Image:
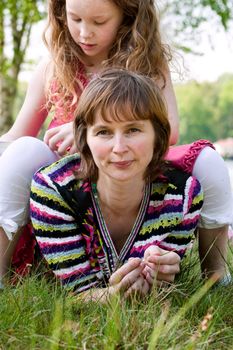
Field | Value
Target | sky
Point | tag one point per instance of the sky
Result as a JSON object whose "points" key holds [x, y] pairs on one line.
{"points": [[216, 59]]}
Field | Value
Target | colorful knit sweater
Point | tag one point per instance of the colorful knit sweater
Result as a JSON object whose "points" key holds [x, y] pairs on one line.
{"points": [[73, 237]]}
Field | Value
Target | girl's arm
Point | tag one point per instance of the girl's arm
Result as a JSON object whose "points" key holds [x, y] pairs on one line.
{"points": [[33, 111], [61, 139], [170, 98]]}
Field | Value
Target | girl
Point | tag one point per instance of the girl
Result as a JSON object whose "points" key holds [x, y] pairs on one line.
{"points": [[84, 37]]}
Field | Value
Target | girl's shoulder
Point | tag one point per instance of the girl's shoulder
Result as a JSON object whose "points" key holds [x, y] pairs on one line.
{"points": [[42, 74]]}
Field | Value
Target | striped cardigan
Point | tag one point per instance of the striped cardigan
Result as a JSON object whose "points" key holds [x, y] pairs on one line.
{"points": [[70, 230]]}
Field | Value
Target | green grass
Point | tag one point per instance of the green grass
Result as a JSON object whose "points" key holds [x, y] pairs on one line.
{"points": [[38, 314]]}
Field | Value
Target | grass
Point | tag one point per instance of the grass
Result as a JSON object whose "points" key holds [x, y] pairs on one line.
{"points": [[38, 314]]}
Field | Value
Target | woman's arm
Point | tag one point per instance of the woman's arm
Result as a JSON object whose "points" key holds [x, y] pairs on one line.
{"points": [[164, 264], [33, 111], [56, 229], [213, 251]]}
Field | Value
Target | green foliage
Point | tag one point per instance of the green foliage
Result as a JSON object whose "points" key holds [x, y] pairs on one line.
{"points": [[21, 92], [223, 8], [185, 20], [206, 110], [16, 20], [37, 314], [18, 16], [193, 13], [224, 113]]}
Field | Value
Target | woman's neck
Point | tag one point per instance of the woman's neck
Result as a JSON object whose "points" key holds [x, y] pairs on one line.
{"points": [[120, 197]]}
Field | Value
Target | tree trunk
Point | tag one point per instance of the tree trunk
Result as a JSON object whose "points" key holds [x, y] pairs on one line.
{"points": [[16, 20], [8, 92]]}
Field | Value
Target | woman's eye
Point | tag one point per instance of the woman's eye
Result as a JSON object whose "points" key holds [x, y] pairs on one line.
{"points": [[102, 133], [133, 130]]}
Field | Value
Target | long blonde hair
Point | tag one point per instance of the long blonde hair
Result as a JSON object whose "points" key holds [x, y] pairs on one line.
{"points": [[138, 46]]}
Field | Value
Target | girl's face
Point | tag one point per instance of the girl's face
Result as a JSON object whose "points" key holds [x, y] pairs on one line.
{"points": [[93, 25], [122, 150]]}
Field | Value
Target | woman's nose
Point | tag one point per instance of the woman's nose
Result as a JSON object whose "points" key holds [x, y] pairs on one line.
{"points": [[119, 144]]}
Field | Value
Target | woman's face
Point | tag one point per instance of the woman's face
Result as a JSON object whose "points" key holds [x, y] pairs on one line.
{"points": [[93, 25], [121, 150]]}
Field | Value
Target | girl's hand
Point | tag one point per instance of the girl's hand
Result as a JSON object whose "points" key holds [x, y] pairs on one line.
{"points": [[61, 139], [161, 265], [129, 280]]}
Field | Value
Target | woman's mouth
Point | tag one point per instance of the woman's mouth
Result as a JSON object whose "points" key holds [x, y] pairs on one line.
{"points": [[123, 164]]}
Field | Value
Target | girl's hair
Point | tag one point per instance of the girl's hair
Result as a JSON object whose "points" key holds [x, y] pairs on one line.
{"points": [[138, 46], [124, 95]]}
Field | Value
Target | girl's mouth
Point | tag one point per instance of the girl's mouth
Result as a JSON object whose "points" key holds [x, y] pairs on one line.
{"points": [[87, 46]]}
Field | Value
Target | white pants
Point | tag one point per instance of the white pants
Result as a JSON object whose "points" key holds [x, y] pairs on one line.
{"points": [[211, 171], [26, 155], [18, 163]]}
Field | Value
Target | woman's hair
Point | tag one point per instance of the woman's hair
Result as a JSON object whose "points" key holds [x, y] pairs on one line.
{"points": [[124, 95], [138, 46]]}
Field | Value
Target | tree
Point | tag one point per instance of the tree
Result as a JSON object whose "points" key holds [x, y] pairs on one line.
{"points": [[224, 110], [16, 20], [185, 19], [206, 109], [196, 106]]}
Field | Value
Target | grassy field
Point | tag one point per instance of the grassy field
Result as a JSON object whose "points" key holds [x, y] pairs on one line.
{"points": [[37, 314]]}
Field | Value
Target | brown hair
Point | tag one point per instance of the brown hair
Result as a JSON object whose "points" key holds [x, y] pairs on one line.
{"points": [[125, 95], [138, 46]]}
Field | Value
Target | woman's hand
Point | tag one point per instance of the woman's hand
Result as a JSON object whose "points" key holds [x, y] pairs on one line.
{"points": [[137, 276], [129, 280], [161, 265], [61, 139]]}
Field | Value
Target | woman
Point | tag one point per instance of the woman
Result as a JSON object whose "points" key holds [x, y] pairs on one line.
{"points": [[83, 38], [117, 217]]}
